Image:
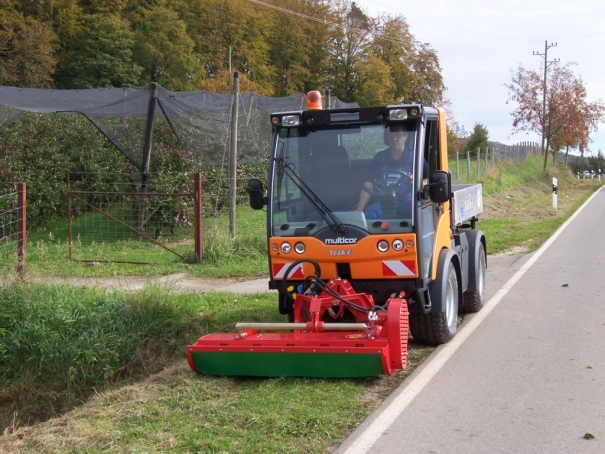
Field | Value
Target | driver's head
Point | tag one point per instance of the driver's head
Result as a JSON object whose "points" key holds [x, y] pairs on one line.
{"points": [[395, 135]]}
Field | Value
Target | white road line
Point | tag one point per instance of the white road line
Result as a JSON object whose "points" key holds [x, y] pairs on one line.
{"points": [[383, 421]]}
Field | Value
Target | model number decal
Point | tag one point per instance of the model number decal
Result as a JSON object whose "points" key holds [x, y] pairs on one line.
{"points": [[342, 252]]}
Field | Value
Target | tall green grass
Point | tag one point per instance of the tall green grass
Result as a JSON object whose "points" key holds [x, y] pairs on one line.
{"points": [[503, 175], [77, 338], [58, 342]]}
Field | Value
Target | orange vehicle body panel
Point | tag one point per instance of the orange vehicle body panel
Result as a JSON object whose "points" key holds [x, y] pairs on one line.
{"points": [[365, 261], [443, 231]]}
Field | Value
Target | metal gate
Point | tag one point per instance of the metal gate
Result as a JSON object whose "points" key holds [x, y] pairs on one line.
{"points": [[137, 223]]}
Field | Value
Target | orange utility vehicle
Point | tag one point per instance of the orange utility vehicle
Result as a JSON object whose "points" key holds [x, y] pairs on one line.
{"points": [[350, 281]]}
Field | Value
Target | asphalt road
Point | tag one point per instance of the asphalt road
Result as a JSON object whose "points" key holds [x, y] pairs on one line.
{"points": [[524, 375]]}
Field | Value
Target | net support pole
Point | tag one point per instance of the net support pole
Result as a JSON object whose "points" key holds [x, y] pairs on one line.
{"points": [[69, 215], [197, 201], [147, 153], [233, 157], [22, 229]]}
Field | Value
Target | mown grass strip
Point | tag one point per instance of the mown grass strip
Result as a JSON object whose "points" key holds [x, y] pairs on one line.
{"points": [[506, 234]]}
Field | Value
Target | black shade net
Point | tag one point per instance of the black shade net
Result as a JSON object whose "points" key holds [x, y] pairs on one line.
{"points": [[200, 120]]}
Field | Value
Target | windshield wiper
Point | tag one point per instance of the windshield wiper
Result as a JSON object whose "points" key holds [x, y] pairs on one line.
{"points": [[335, 224]]}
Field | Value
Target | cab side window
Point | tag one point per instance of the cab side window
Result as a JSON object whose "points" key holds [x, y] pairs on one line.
{"points": [[431, 146]]}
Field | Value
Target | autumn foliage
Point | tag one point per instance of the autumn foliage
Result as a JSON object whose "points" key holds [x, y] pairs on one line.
{"points": [[278, 47], [565, 119]]}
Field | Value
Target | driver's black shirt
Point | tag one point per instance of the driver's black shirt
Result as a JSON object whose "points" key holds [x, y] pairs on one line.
{"points": [[384, 160]]}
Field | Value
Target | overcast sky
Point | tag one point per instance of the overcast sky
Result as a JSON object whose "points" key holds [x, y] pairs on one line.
{"points": [[479, 42]]}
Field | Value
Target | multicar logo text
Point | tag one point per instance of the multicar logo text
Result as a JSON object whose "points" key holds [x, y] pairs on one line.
{"points": [[341, 240]]}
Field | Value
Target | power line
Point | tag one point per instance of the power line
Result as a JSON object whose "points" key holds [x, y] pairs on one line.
{"points": [[383, 37], [324, 21]]}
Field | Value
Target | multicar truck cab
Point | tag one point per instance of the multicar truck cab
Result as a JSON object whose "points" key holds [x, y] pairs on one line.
{"points": [[349, 278]]}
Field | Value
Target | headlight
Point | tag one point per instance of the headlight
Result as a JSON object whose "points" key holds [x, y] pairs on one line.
{"points": [[397, 245], [398, 114], [299, 248], [290, 120], [383, 246], [286, 248]]}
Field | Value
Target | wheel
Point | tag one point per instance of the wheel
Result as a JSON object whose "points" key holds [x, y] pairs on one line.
{"points": [[437, 328], [382, 189], [474, 299]]}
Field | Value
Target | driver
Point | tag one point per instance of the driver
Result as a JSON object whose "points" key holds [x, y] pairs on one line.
{"points": [[398, 156]]}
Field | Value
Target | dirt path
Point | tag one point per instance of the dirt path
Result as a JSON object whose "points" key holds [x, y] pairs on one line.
{"points": [[176, 282]]}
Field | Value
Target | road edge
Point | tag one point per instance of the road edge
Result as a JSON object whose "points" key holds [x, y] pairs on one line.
{"points": [[366, 435]]}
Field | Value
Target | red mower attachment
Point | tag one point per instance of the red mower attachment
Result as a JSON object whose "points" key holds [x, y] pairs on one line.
{"points": [[338, 333]]}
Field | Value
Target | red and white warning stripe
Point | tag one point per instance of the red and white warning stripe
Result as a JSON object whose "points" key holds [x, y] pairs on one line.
{"points": [[398, 268], [279, 269]]}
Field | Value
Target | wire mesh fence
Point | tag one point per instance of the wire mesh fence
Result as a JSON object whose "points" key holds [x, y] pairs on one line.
{"points": [[12, 229], [129, 220], [470, 166], [172, 217]]}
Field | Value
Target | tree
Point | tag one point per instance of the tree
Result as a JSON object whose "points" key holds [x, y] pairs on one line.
{"points": [[478, 139], [376, 86], [456, 134], [26, 51], [165, 51], [569, 118], [221, 84], [297, 52], [347, 49], [414, 67], [100, 55]]}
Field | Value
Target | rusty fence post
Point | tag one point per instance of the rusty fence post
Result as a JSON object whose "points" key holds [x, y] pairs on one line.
{"points": [[22, 229], [197, 207], [69, 214]]}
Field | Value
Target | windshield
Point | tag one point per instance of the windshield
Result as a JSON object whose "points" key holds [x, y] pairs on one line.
{"points": [[353, 175]]}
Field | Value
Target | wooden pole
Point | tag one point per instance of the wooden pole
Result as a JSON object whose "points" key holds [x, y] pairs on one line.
{"points": [[69, 215], [147, 154], [233, 157], [198, 215]]}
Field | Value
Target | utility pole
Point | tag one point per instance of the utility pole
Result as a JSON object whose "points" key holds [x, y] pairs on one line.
{"points": [[546, 65]]}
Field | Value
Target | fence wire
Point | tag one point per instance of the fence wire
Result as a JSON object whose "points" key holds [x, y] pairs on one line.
{"points": [[124, 219], [470, 166], [114, 220], [9, 228]]}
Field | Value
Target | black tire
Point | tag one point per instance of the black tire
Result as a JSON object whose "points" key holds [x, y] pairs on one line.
{"points": [[474, 300], [436, 328]]}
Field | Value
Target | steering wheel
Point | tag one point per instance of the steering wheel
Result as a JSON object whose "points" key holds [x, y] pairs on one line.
{"points": [[382, 189]]}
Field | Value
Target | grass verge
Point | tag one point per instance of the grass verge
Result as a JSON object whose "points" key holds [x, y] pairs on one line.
{"points": [[50, 368], [59, 343]]}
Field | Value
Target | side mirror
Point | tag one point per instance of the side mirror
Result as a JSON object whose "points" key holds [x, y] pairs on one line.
{"points": [[439, 186], [255, 190]]}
